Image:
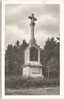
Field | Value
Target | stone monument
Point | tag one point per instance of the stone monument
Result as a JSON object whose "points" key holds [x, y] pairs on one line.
{"points": [[32, 66]]}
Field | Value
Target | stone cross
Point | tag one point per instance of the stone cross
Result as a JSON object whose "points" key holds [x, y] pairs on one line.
{"points": [[32, 25], [33, 19]]}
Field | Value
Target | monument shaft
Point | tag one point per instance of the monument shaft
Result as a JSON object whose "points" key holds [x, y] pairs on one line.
{"points": [[32, 26], [32, 31]]}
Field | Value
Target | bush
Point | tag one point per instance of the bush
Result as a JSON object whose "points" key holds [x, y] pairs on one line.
{"points": [[13, 82]]}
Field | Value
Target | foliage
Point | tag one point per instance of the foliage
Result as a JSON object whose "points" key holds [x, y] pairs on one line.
{"points": [[21, 82], [50, 59], [14, 58]]}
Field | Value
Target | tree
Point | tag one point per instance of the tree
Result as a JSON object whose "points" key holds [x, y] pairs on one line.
{"points": [[50, 57], [14, 57], [17, 43]]}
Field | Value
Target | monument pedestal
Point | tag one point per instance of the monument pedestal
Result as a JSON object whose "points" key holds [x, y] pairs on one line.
{"points": [[32, 71], [32, 66]]}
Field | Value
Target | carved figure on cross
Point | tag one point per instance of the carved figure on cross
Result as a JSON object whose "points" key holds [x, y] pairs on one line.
{"points": [[33, 19]]}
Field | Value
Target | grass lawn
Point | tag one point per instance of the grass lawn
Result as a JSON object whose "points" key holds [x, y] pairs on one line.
{"points": [[30, 86]]}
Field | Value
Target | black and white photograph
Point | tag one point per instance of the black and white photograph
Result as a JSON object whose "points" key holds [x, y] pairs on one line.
{"points": [[32, 49]]}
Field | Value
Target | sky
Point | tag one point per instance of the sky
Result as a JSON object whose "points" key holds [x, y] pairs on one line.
{"points": [[17, 24]]}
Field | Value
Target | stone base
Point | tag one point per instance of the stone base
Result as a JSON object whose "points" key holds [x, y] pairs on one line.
{"points": [[32, 71]]}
